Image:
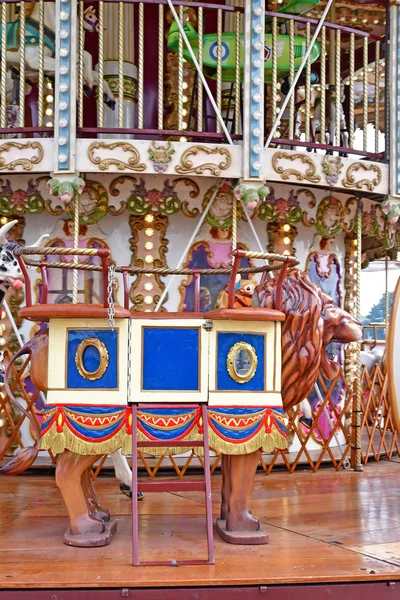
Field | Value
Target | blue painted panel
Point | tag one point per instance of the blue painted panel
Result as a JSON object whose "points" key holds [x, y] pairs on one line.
{"points": [[225, 341], [91, 359], [170, 359]]}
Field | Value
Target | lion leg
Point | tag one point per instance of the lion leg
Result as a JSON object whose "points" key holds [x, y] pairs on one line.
{"points": [[94, 508], [226, 486], [242, 469], [69, 472]]}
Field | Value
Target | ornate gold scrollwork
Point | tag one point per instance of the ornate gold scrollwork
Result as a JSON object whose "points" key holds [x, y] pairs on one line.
{"points": [[26, 163], [310, 173], [104, 163], [186, 165], [242, 362], [350, 182], [103, 355]]}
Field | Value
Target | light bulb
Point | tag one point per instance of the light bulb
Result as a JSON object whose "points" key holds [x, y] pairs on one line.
{"points": [[286, 227], [62, 158], [257, 97], [149, 245], [149, 232], [286, 240], [148, 299], [257, 63], [257, 115], [64, 34], [149, 218], [256, 132], [149, 258], [257, 28], [256, 166], [257, 149], [49, 99], [257, 80], [148, 286], [257, 10], [258, 45]]}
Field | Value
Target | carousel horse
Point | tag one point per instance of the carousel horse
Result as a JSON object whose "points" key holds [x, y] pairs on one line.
{"points": [[332, 105], [312, 322], [32, 20]]}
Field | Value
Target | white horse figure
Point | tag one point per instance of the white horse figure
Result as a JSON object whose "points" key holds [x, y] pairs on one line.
{"points": [[332, 104], [32, 19]]}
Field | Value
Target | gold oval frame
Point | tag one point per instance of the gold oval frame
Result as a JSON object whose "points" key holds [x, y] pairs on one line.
{"points": [[104, 359], [230, 362]]}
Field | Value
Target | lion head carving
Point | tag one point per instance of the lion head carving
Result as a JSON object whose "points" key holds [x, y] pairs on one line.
{"points": [[312, 322]]}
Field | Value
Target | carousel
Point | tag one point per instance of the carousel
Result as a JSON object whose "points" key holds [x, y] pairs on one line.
{"points": [[190, 195]]}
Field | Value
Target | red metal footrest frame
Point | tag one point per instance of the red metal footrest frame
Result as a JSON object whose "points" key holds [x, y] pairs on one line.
{"points": [[171, 486]]}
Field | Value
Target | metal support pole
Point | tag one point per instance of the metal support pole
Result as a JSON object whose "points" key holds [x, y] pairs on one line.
{"points": [[357, 405]]}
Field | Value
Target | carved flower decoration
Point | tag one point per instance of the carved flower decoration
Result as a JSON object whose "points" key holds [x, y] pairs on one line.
{"points": [[282, 206], [154, 197], [18, 198]]}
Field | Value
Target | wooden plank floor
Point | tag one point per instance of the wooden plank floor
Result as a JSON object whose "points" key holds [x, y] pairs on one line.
{"points": [[324, 527]]}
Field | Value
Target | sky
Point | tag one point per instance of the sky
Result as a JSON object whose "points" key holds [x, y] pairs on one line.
{"points": [[373, 286]]}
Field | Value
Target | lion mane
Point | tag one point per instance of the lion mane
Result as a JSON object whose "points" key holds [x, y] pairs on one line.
{"points": [[305, 334]]}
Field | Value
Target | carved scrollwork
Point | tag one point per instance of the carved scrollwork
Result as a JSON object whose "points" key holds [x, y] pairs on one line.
{"points": [[26, 163], [187, 166], [133, 163], [310, 173], [370, 184]]}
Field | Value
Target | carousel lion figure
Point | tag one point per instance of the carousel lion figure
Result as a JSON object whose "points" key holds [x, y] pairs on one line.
{"points": [[312, 321]]}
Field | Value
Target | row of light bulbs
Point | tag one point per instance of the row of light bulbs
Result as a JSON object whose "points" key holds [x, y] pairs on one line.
{"points": [[149, 258]]}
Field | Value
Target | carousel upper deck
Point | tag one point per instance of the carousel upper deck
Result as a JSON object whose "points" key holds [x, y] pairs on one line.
{"points": [[294, 94]]}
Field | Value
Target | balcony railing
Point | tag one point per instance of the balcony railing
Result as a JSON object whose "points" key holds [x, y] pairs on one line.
{"points": [[135, 54]]}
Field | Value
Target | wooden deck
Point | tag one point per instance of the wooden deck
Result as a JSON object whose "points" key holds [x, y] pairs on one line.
{"points": [[324, 527]]}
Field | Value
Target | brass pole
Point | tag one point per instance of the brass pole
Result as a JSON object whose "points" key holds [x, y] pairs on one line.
{"points": [[100, 103], [323, 85], [160, 66], [121, 42], [22, 64], [75, 272], [237, 81], [351, 89], [81, 39], [219, 66], [41, 64], [291, 77], [180, 74], [3, 93], [357, 407], [365, 93], [200, 61], [377, 58], [140, 65]]}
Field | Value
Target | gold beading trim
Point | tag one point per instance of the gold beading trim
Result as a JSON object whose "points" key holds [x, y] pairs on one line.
{"points": [[187, 167], [104, 163], [26, 163], [103, 354], [231, 365], [350, 182], [309, 175]]}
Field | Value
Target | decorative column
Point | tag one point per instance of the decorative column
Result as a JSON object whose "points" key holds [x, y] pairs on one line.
{"points": [[65, 88], [253, 125], [394, 100], [112, 39]]}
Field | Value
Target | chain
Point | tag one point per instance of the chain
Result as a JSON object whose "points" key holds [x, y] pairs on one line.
{"points": [[112, 284]]}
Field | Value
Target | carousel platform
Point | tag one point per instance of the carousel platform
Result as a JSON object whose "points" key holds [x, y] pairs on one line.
{"points": [[332, 535]]}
